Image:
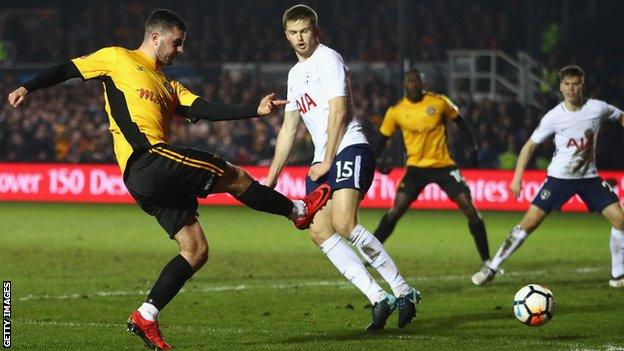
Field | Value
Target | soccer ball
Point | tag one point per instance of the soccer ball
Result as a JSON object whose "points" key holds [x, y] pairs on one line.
{"points": [[533, 305]]}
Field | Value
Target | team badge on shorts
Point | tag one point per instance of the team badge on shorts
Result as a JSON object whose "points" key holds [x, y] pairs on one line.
{"points": [[430, 110], [544, 194]]}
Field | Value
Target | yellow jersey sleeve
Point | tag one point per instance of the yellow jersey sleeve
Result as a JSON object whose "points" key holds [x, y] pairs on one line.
{"points": [[99, 63], [450, 110], [185, 97], [388, 125]]}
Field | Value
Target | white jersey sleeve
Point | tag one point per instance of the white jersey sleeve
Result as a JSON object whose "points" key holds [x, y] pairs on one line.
{"points": [[611, 112], [333, 75], [292, 101], [545, 129]]}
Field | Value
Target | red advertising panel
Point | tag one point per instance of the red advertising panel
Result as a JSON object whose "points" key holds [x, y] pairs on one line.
{"points": [[104, 183]]}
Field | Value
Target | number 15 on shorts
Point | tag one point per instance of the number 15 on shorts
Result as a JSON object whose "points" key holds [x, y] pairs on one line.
{"points": [[344, 170]]}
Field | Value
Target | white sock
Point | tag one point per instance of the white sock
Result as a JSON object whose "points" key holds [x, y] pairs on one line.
{"points": [[511, 244], [374, 253], [149, 311], [350, 265], [299, 209], [617, 253]]}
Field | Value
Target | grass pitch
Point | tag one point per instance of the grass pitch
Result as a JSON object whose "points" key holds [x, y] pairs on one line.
{"points": [[79, 270]]}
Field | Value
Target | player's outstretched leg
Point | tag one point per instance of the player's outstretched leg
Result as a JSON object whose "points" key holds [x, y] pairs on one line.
{"points": [[381, 311], [407, 304], [193, 255], [485, 275], [511, 244], [342, 256], [148, 331], [374, 253], [389, 220], [314, 202], [615, 215], [237, 182], [475, 224]]}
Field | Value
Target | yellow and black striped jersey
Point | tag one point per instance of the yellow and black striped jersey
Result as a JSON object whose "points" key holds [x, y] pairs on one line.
{"points": [[423, 129], [140, 99]]}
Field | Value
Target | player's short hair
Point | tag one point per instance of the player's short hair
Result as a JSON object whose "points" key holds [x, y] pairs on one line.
{"points": [[300, 12], [415, 71], [571, 71], [162, 19]]}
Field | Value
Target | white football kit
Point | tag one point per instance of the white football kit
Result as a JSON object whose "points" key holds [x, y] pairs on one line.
{"points": [[311, 84], [575, 137]]}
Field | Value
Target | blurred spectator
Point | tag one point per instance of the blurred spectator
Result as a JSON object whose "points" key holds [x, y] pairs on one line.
{"points": [[64, 124]]}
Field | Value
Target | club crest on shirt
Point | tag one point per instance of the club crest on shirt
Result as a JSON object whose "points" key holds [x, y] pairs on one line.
{"points": [[430, 110], [308, 77], [544, 194]]}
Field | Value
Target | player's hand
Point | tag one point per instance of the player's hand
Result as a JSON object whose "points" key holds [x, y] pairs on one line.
{"points": [[17, 97], [516, 187], [383, 169], [269, 104], [318, 170], [473, 158]]}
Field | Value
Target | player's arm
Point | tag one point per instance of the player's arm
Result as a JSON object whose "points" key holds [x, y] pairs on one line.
{"points": [[203, 109], [378, 149], [380, 145], [386, 130], [46, 78], [335, 132], [523, 159], [466, 135], [283, 146]]}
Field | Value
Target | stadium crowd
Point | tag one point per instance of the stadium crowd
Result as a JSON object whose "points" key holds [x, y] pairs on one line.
{"points": [[68, 124]]}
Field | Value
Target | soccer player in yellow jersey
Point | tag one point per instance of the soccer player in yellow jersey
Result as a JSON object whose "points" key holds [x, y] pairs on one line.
{"points": [[166, 180], [420, 116]]}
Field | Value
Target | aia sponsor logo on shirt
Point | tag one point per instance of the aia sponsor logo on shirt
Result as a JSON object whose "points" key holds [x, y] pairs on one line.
{"points": [[583, 142], [305, 103]]}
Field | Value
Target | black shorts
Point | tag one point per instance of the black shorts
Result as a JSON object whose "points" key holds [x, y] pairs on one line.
{"points": [[353, 168], [447, 178], [595, 193], [167, 180]]}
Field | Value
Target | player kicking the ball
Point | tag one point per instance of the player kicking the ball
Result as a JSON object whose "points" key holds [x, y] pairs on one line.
{"points": [[164, 179], [572, 170], [319, 92]]}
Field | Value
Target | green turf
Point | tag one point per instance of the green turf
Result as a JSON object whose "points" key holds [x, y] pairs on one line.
{"points": [[79, 270]]}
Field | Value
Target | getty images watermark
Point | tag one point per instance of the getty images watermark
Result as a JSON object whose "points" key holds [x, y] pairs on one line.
{"points": [[6, 314]]}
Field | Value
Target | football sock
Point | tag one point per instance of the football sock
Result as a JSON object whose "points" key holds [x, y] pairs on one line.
{"points": [[262, 198], [170, 281], [299, 209], [350, 265], [149, 311], [477, 229], [511, 244], [384, 229], [374, 253], [617, 253]]}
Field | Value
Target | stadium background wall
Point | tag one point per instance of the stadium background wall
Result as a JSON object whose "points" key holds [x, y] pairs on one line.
{"points": [[86, 183]]}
